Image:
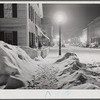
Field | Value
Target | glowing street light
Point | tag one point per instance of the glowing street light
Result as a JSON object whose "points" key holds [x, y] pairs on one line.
{"points": [[59, 20], [60, 17], [69, 40]]}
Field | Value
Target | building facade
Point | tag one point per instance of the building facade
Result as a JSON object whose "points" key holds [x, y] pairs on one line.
{"points": [[84, 37], [47, 29], [93, 31], [20, 24]]}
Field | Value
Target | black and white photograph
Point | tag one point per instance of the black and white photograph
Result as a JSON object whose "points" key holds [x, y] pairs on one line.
{"points": [[50, 46]]}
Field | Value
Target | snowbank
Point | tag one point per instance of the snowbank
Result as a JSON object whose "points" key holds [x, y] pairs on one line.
{"points": [[31, 52], [18, 70], [16, 67], [34, 53], [68, 73], [72, 74]]}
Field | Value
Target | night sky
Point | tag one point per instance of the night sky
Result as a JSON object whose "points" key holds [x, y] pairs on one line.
{"points": [[78, 16]]}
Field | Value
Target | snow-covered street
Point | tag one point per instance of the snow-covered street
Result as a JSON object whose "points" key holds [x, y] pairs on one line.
{"points": [[85, 55]]}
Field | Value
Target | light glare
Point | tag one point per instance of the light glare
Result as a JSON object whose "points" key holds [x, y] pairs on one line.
{"points": [[60, 17], [69, 40], [83, 39]]}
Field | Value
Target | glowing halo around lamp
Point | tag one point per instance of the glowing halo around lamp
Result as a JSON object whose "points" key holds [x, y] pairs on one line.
{"points": [[69, 40], [60, 17]]}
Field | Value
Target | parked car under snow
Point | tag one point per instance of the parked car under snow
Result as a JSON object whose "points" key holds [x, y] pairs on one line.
{"points": [[94, 45]]}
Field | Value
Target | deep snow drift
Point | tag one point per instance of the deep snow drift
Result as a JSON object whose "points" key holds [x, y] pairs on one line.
{"points": [[16, 67], [68, 73], [18, 70], [74, 75]]}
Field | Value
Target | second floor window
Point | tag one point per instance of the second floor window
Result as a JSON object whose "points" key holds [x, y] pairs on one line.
{"points": [[1, 11], [31, 13], [14, 10], [8, 10]]}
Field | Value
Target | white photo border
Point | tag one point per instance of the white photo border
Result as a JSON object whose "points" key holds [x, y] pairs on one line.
{"points": [[50, 94]]}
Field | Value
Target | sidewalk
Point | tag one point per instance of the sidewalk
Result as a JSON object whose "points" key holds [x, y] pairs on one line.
{"points": [[52, 57]]}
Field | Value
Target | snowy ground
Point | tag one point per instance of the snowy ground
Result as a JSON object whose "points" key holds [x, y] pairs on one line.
{"points": [[86, 55], [69, 71], [82, 74]]}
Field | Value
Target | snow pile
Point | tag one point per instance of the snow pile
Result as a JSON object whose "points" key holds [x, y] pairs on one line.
{"points": [[34, 53], [66, 73], [72, 74], [31, 52], [16, 67], [18, 70]]}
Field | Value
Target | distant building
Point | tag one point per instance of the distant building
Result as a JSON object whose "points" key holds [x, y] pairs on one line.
{"points": [[47, 29], [84, 36], [74, 41], [20, 24], [93, 31]]}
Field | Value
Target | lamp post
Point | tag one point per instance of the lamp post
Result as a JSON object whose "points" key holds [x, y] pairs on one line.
{"points": [[60, 38], [60, 19]]}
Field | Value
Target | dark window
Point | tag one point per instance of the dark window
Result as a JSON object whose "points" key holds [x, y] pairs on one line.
{"points": [[1, 36], [30, 43], [29, 12], [14, 10], [32, 40], [1, 10], [14, 37], [32, 14], [36, 39], [35, 18], [9, 37]]}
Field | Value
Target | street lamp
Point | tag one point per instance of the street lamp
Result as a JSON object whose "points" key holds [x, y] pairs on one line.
{"points": [[69, 40], [59, 20], [57, 37]]}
